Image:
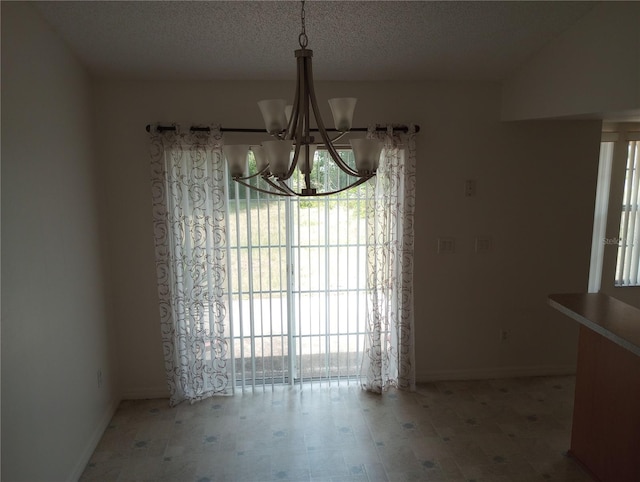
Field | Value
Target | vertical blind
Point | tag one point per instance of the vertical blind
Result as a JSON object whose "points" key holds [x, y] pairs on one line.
{"points": [[628, 262], [296, 284]]}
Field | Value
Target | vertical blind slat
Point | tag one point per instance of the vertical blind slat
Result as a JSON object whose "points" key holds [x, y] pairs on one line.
{"points": [[634, 228], [314, 295]]}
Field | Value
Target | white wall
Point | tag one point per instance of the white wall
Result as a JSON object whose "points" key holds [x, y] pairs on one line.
{"points": [[55, 335], [536, 189], [591, 69]]}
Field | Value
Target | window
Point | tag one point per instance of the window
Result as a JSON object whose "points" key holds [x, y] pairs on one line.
{"points": [[628, 256], [297, 282], [615, 249]]}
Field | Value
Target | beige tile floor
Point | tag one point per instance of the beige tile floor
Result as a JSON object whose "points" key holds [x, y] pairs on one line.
{"points": [[496, 430]]}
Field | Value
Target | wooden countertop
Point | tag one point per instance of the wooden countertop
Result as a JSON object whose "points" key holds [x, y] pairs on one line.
{"points": [[611, 318]]}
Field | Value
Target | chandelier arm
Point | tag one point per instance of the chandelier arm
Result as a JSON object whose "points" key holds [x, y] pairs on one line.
{"points": [[357, 182], [256, 188], [307, 127], [303, 110], [307, 169], [244, 178], [294, 163], [281, 186], [285, 188], [295, 112], [321, 128]]}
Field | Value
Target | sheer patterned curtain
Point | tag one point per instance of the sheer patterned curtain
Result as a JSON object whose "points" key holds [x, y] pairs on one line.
{"points": [[188, 188], [389, 351]]}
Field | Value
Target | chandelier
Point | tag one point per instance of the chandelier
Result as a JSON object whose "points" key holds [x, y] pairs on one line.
{"points": [[293, 146]]}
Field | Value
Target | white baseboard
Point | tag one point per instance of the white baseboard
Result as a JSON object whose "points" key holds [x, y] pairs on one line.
{"points": [[143, 393], [94, 440], [490, 373]]}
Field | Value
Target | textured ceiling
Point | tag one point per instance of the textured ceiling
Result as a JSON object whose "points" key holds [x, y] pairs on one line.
{"points": [[351, 40]]}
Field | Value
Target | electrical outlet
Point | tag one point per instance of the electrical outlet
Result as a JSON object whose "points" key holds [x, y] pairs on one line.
{"points": [[99, 377], [483, 244], [504, 335], [470, 188], [446, 245]]}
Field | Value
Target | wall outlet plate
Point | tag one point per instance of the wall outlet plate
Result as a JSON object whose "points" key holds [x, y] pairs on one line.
{"points": [[470, 188], [446, 245], [484, 244]]}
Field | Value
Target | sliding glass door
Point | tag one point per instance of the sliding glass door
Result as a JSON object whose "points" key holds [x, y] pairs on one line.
{"points": [[296, 274]]}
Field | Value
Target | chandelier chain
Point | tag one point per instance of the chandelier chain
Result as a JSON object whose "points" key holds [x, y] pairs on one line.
{"points": [[303, 39]]}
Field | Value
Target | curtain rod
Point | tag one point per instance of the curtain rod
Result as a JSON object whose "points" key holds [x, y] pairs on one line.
{"points": [[160, 128]]}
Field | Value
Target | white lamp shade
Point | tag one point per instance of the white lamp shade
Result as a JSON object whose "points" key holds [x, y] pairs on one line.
{"points": [[273, 114], [367, 154], [260, 156], [279, 156], [342, 110], [236, 156], [302, 163]]}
